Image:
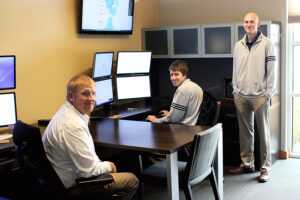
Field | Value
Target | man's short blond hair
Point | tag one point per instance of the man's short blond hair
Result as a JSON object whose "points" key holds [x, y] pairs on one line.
{"points": [[78, 82]]}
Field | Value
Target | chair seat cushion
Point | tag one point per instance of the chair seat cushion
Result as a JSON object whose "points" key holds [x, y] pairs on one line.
{"points": [[159, 169]]}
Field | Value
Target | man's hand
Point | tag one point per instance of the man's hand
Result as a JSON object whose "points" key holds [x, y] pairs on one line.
{"points": [[113, 167], [164, 112], [151, 118], [106, 186]]}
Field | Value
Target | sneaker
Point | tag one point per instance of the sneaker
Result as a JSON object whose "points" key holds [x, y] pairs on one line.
{"points": [[242, 170], [264, 176]]}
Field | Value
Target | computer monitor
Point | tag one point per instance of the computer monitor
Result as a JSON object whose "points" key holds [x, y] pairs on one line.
{"points": [[133, 62], [103, 62], [104, 92], [7, 72], [8, 114], [132, 87], [107, 17]]}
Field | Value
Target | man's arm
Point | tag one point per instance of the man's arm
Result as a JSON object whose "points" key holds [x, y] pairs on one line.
{"points": [[234, 72], [271, 70], [178, 109], [81, 150]]}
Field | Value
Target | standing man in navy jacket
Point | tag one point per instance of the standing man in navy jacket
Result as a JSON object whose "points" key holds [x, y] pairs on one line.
{"points": [[253, 79]]}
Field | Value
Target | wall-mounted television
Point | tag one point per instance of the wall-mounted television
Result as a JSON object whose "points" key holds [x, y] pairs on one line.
{"points": [[8, 114], [133, 87], [7, 72], [103, 62], [107, 17], [133, 62], [104, 92]]}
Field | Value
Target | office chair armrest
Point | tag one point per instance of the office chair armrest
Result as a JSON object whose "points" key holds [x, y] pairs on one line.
{"points": [[103, 179]]}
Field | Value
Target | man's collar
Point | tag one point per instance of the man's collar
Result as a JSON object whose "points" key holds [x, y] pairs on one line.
{"points": [[255, 38]]}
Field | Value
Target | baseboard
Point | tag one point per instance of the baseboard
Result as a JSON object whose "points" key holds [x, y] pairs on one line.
{"points": [[284, 154]]}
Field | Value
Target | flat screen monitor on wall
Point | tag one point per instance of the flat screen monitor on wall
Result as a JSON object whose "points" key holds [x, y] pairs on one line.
{"points": [[107, 17], [104, 92], [133, 87], [133, 62], [7, 72], [103, 62], [8, 114]]}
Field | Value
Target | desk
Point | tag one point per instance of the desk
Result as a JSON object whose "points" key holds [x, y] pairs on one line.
{"points": [[5, 147], [151, 137]]}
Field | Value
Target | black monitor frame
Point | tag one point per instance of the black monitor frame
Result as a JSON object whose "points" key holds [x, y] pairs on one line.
{"points": [[14, 86], [94, 65], [15, 105]]}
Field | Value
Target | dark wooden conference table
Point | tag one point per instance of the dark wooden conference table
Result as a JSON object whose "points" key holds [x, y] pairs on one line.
{"points": [[152, 137], [147, 137]]}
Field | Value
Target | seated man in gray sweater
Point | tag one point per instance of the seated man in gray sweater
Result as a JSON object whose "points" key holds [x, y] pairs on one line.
{"points": [[187, 99]]}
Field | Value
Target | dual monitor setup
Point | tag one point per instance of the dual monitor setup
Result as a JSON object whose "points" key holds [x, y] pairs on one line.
{"points": [[130, 81], [8, 111]]}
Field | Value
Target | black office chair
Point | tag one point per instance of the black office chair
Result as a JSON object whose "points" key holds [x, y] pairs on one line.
{"points": [[200, 163], [208, 116], [38, 173], [209, 110]]}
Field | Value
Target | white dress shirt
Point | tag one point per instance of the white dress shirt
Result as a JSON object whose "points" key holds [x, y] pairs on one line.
{"points": [[69, 146]]}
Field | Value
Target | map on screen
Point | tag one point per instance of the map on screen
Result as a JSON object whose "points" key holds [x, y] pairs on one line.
{"points": [[107, 15]]}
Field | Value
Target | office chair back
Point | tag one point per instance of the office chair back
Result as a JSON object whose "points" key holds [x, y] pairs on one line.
{"points": [[209, 110], [33, 160], [200, 163]]}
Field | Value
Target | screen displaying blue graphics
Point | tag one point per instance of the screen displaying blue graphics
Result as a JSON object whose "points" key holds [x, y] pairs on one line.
{"points": [[107, 16], [132, 87], [7, 72], [8, 114], [103, 62], [133, 62], [104, 92]]}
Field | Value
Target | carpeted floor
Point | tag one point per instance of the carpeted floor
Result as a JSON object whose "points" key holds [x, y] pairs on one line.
{"points": [[283, 185]]}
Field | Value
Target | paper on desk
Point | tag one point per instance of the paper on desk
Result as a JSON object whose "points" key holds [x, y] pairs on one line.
{"points": [[5, 136]]}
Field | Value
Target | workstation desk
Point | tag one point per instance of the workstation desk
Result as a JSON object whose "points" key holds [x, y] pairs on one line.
{"points": [[145, 136]]}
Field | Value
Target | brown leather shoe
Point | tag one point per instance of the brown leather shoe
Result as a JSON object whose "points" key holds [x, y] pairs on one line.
{"points": [[264, 176], [242, 170]]}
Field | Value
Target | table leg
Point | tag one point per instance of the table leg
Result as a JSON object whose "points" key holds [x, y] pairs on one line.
{"points": [[219, 166], [172, 176]]}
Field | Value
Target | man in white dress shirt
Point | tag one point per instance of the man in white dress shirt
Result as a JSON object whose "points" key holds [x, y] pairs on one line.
{"points": [[69, 145]]}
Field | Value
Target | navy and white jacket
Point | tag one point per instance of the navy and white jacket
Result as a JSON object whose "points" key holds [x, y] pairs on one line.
{"points": [[254, 70]]}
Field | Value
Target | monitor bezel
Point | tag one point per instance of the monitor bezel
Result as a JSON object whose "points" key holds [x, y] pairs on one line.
{"points": [[94, 62], [112, 84], [137, 73], [16, 113], [14, 86], [134, 98], [95, 32]]}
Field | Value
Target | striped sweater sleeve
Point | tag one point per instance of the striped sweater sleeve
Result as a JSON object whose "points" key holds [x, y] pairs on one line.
{"points": [[177, 110], [271, 71]]}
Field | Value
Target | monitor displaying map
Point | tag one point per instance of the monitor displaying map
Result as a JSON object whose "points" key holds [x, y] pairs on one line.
{"points": [[107, 16], [103, 62]]}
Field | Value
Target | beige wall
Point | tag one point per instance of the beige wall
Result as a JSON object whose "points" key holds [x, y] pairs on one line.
{"points": [[43, 34], [49, 51], [189, 12]]}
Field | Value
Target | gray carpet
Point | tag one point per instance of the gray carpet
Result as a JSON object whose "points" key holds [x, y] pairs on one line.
{"points": [[283, 185]]}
